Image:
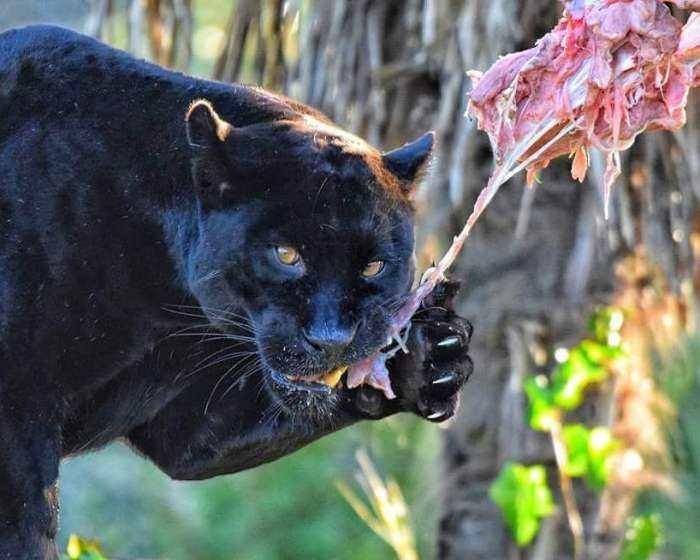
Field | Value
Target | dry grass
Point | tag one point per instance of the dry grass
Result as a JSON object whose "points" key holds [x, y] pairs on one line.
{"points": [[384, 510]]}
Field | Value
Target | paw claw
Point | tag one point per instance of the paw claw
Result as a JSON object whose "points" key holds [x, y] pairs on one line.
{"points": [[429, 378], [445, 378], [450, 341]]}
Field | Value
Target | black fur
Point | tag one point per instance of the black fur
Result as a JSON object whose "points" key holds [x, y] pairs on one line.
{"points": [[140, 295]]}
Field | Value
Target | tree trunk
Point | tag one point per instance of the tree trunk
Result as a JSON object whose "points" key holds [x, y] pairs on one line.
{"points": [[537, 262]]}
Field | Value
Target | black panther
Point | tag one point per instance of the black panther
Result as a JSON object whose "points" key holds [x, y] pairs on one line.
{"points": [[191, 266]]}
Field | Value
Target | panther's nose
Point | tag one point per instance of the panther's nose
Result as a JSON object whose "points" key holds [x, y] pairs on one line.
{"points": [[331, 340]]}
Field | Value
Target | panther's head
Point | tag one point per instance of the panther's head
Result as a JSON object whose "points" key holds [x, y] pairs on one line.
{"points": [[307, 230]]}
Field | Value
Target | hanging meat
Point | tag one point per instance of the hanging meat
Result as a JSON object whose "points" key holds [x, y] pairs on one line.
{"points": [[608, 71]]}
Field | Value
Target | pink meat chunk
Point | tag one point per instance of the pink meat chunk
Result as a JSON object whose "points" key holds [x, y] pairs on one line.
{"points": [[608, 71], [611, 68]]}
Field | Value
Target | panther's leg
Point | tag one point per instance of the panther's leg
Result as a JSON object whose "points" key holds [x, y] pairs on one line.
{"points": [[28, 484], [238, 432]]}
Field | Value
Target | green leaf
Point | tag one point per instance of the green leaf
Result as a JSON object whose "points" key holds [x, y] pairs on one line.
{"points": [[604, 322], [601, 447], [524, 497], [542, 411], [83, 549], [599, 353], [589, 453], [643, 537], [573, 377], [576, 441]]}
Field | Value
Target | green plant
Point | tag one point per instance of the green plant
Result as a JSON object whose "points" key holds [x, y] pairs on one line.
{"points": [[678, 512], [642, 538], [524, 497], [589, 453], [522, 492], [79, 548]]}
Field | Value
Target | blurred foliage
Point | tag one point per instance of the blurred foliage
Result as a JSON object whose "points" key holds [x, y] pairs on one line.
{"points": [[524, 497], [584, 365], [642, 538], [290, 508], [208, 31], [680, 513], [83, 549], [521, 492], [589, 453]]}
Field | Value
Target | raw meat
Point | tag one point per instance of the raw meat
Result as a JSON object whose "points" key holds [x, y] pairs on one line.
{"points": [[608, 71]]}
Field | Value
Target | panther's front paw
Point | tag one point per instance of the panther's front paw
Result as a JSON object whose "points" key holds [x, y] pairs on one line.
{"points": [[427, 380]]}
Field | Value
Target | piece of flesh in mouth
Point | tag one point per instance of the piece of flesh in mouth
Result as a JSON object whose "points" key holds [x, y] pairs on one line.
{"points": [[330, 378]]}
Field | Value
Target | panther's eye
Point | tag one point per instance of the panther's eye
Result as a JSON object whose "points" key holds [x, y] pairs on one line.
{"points": [[287, 255], [373, 269]]}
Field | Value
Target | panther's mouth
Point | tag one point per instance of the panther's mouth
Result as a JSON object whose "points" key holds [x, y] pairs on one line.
{"points": [[332, 378], [323, 384]]}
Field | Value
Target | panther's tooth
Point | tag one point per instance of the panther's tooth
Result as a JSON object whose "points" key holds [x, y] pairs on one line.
{"points": [[333, 377]]}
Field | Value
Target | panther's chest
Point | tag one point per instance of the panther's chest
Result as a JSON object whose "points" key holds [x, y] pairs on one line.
{"points": [[132, 397]]}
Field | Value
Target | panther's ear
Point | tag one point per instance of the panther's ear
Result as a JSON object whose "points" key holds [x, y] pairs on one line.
{"points": [[207, 134], [410, 161], [205, 128]]}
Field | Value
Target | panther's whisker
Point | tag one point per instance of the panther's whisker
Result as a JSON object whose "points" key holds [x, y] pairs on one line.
{"points": [[239, 342], [216, 386], [220, 380], [207, 277], [212, 309], [215, 336], [184, 329], [272, 413], [261, 385], [244, 370], [240, 382], [228, 312], [217, 361], [197, 325], [246, 325], [184, 313], [220, 351]]}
